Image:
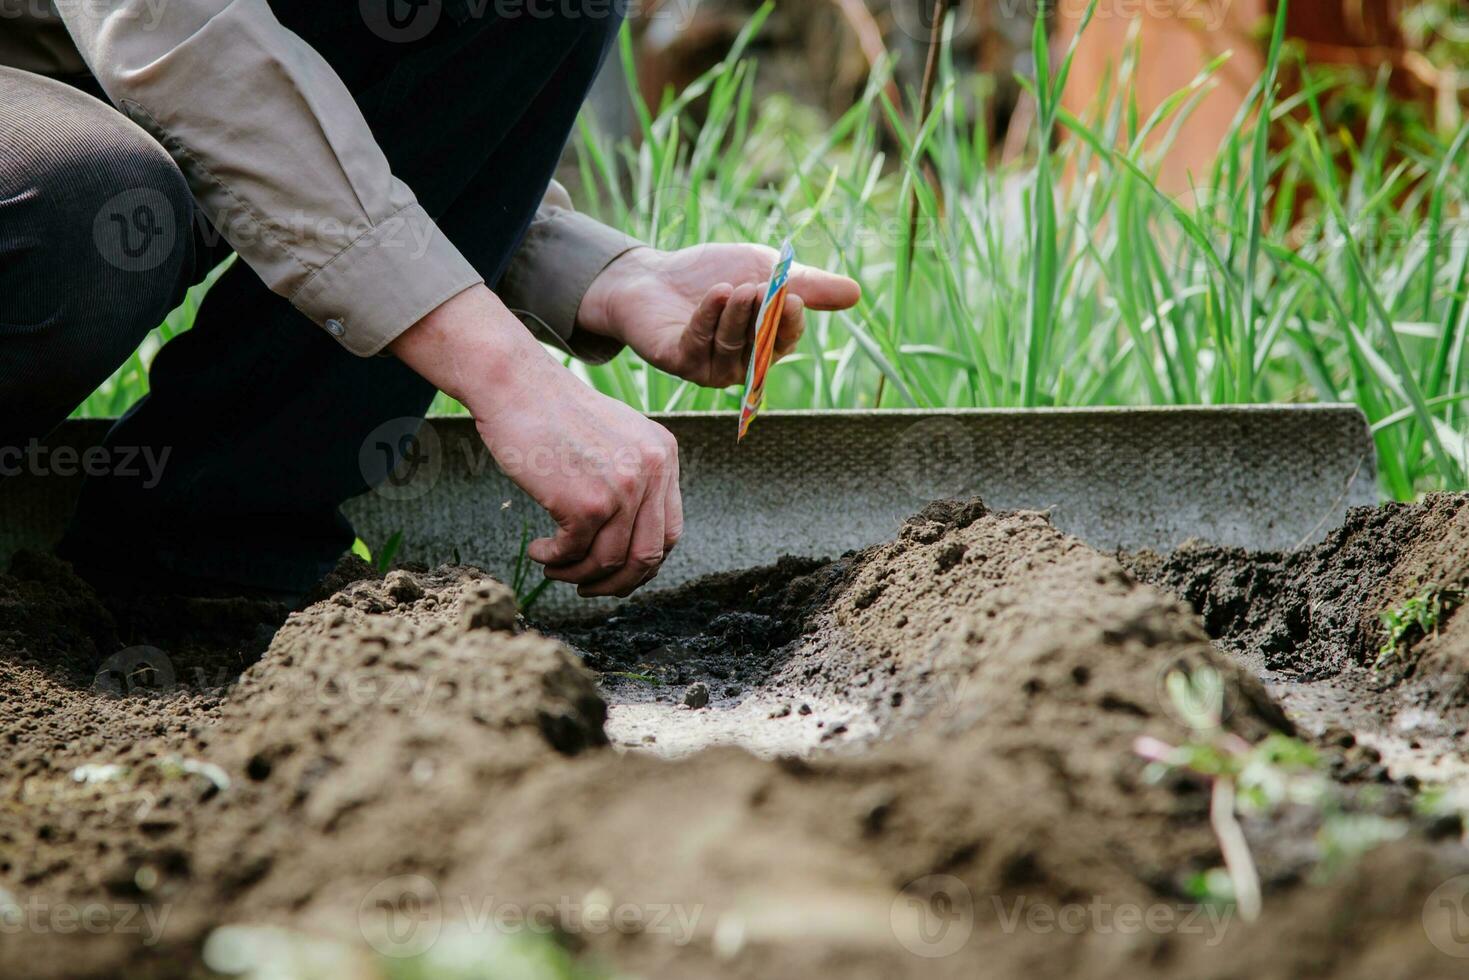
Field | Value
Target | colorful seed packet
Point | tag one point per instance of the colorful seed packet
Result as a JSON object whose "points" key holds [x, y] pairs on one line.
{"points": [[768, 325]]}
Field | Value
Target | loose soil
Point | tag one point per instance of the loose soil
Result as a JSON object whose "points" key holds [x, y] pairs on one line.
{"points": [[914, 760]]}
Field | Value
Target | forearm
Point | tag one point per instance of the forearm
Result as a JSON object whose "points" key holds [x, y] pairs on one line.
{"points": [[473, 349]]}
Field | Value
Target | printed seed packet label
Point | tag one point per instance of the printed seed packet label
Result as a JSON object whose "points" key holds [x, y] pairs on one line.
{"points": [[768, 326]]}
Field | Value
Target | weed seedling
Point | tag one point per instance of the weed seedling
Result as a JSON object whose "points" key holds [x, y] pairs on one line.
{"points": [[1243, 778], [1254, 780], [1414, 618], [383, 561], [525, 598]]}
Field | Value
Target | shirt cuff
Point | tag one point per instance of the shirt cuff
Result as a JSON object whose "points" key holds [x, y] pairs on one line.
{"points": [[388, 279], [563, 252]]}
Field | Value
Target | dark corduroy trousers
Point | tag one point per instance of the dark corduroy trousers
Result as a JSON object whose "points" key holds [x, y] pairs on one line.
{"points": [[259, 413]]}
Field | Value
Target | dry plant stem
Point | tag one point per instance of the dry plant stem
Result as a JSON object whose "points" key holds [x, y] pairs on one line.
{"points": [[1236, 850], [869, 39], [930, 79]]}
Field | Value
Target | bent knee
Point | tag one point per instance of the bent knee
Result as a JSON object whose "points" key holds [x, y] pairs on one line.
{"points": [[94, 217]]}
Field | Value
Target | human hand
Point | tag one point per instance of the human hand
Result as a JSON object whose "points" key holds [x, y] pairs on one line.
{"points": [[607, 475], [692, 312]]}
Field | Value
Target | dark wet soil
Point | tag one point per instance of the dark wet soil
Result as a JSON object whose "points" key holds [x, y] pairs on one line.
{"points": [[916, 760]]}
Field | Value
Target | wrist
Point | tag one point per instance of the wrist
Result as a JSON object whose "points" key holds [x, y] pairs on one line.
{"points": [[597, 313], [472, 348]]}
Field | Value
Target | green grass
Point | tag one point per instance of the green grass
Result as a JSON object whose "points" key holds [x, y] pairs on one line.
{"points": [[1308, 264], [1415, 617]]}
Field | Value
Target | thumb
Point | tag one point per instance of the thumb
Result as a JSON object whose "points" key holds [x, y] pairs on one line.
{"points": [[571, 543], [821, 290]]}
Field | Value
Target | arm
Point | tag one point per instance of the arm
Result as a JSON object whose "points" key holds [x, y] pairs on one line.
{"points": [[278, 157], [562, 254], [282, 162]]}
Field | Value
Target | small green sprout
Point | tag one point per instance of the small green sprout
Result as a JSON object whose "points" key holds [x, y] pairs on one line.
{"points": [[525, 597], [383, 562], [1244, 779], [1417, 616], [1254, 780]]}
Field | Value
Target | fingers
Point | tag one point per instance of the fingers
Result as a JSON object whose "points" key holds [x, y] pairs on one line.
{"points": [[639, 553], [698, 339], [604, 554], [630, 546], [792, 326], [731, 339], [821, 290], [672, 511], [655, 533], [573, 539]]}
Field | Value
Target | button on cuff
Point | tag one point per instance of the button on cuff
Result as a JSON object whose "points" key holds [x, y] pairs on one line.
{"points": [[388, 280]]}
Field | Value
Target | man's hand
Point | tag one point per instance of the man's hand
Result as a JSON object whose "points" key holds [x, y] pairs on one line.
{"points": [[607, 475], [692, 312]]}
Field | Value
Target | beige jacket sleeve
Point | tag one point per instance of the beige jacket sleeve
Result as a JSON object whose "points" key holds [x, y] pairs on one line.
{"points": [[280, 159], [562, 253]]}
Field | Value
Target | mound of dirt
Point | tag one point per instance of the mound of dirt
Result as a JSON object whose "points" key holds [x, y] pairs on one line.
{"points": [[408, 768], [1316, 611]]}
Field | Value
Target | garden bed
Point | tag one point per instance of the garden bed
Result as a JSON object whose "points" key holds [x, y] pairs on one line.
{"points": [[941, 776]]}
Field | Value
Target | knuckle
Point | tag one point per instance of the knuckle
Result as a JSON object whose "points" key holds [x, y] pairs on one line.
{"points": [[645, 559], [597, 511], [657, 454]]}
